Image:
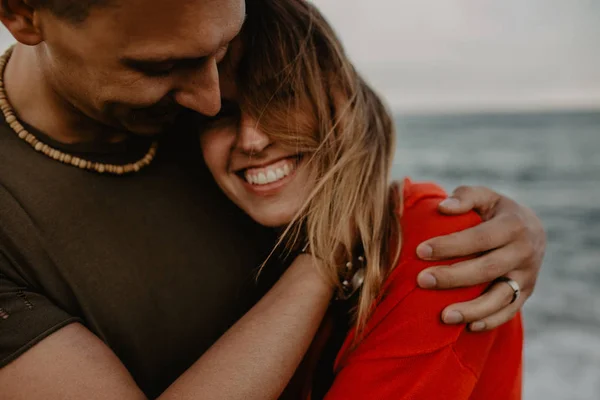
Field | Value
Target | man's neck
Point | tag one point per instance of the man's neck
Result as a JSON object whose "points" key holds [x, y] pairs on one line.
{"points": [[37, 104]]}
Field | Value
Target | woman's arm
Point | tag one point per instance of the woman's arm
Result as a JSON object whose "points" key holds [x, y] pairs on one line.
{"points": [[407, 351], [458, 371], [253, 360], [257, 357]]}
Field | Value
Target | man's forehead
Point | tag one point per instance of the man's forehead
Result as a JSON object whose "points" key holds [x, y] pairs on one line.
{"points": [[162, 28]]}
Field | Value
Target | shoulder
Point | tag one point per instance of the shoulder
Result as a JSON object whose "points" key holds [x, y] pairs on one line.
{"points": [[405, 311], [419, 216], [420, 220]]}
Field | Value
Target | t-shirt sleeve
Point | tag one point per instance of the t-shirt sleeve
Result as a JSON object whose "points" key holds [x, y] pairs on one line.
{"points": [[438, 375], [407, 351], [411, 354], [26, 316]]}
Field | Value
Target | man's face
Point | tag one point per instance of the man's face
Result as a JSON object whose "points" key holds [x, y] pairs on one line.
{"points": [[138, 64]]}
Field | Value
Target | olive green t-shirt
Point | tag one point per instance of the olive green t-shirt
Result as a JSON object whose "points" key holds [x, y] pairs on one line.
{"points": [[157, 264]]}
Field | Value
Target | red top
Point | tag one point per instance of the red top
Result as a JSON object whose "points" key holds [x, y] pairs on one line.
{"points": [[407, 352]]}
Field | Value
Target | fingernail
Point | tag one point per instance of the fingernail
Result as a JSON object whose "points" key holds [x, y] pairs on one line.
{"points": [[453, 317], [450, 202], [424, 251], [426, 280], [478, 326]]}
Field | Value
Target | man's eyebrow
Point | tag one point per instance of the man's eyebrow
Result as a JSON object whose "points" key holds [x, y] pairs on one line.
{"points": [[157, 60]]}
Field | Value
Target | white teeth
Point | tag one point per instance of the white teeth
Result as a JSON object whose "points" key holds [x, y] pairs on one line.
{"points": [[262, 179], [270, 174]]}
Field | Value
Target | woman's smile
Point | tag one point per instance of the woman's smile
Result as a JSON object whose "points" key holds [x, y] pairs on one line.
{"points": [[269, 178]]}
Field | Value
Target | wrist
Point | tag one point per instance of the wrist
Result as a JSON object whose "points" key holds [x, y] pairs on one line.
{"points": [[310, 269]]}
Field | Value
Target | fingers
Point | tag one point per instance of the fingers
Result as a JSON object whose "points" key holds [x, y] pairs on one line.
{"points": [[467, 198], [488, 235], [490, 303], [499, 318], [478, 270]]}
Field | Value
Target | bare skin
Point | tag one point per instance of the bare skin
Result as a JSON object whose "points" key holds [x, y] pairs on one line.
{"points": [[253, 360], [113, 55], [108, 78]]}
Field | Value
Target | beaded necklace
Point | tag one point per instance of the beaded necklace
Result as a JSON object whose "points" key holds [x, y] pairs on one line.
{"points": [[65, 158]]}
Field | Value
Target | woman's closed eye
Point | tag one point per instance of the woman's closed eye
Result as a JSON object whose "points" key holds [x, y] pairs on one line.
{"points": [[229, 114], [230, 111]]}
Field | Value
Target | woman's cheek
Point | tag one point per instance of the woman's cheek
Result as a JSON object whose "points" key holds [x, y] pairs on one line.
{"points": [[210, 148], [216, 152]]}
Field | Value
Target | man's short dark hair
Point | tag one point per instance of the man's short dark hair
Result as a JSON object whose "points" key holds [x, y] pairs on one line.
{"points": [[75, 11]]}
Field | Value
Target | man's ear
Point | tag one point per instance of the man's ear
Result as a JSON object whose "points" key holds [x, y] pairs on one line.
{"points": [[19, 17]]}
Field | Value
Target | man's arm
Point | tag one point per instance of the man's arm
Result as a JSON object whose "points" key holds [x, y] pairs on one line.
{"points": [[253, 360], [511, 242]]}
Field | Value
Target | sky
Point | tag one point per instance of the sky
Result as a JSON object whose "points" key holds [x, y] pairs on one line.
{"points": [[474, 55], [471, 55]]}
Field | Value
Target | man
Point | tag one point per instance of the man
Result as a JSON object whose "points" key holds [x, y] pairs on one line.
{"points": [[121, 262]]}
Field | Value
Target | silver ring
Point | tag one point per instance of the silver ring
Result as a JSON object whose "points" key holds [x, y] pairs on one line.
{"points": [[513, 285]]}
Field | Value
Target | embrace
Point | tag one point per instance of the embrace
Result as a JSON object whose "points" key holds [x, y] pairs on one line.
{"points": [[196, 203]]}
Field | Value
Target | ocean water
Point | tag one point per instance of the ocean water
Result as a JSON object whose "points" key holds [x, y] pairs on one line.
{"points": [[550, 162]]}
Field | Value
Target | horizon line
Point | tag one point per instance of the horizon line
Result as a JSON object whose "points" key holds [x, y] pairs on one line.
{"points": [[441, 111]]}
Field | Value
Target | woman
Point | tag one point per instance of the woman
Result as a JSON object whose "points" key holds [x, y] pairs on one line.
{"points": [[304, 146]]}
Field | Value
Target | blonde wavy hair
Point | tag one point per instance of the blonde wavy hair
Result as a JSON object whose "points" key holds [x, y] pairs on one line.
{"points": [[294, 66]]}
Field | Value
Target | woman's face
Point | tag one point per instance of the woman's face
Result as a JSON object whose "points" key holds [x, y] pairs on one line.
{"points": [[266, 180]]}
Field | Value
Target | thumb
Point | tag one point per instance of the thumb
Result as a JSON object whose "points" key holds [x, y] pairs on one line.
{"points": [[468, 198], [453, 205]]}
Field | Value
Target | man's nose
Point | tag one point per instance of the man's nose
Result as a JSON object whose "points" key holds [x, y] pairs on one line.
{"points": [[199, 89], [251, 140]]}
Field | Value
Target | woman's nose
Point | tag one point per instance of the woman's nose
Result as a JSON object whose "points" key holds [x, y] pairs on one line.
{"points": [[251, 140]]}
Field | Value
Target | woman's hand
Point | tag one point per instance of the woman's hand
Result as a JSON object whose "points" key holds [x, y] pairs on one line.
{"points": [[513, 242]]}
